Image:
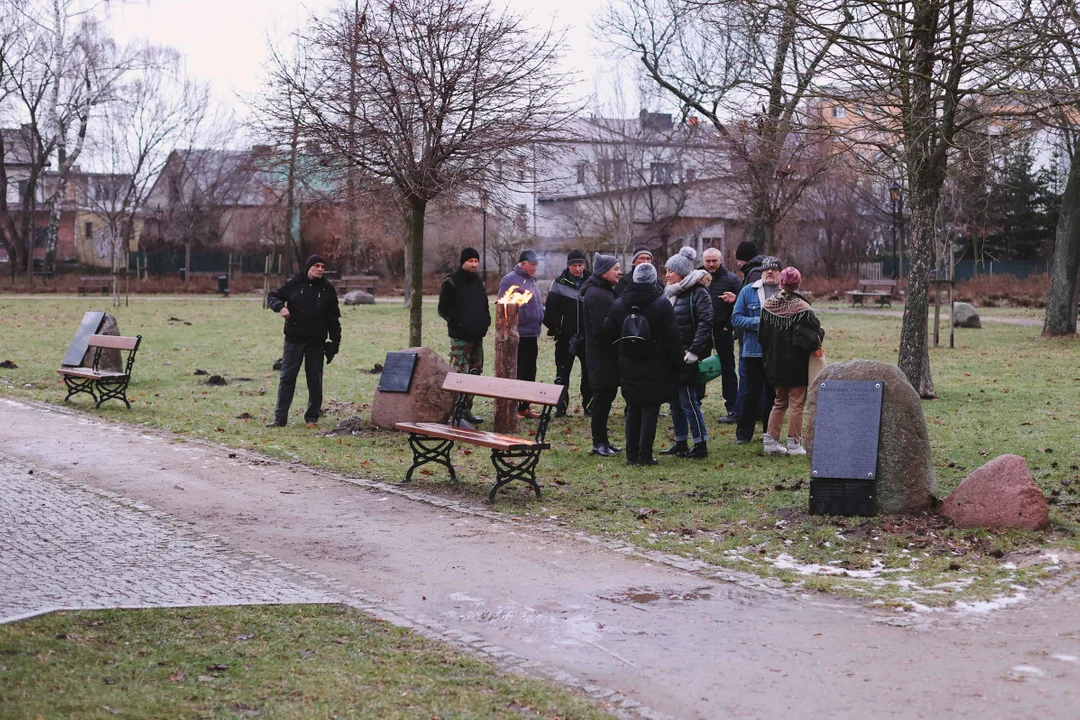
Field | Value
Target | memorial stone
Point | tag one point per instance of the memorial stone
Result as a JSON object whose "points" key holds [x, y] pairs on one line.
{"points": [[425, 400]]}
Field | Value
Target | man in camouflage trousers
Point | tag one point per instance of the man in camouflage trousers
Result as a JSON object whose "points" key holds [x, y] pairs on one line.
{"points": [[463, 304]]}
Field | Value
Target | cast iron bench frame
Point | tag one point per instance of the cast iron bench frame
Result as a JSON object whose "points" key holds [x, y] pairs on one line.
{"points": [[866, 289], [102, 385], [93, 283], [514, 458]]}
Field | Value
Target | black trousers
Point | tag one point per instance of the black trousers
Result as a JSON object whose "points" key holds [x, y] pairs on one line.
{"points": [[310, 355], [601, 408], [725, 350], [751, 409], [640, 431], [528, 349], [564, 365]]}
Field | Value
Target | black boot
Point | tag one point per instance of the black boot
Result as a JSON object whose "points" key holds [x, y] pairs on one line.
{"points": [[700, 450], [678, 448]]}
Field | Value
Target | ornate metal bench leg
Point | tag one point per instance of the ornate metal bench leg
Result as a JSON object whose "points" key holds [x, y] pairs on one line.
{"points": [[111, 390], [514, 465], [79, 385], [430, 450]]}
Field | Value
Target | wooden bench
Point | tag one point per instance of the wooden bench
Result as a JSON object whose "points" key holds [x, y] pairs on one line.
{"points": [[102, 385], [514, 458], [93, 283], [881, 290], [348, 283]]}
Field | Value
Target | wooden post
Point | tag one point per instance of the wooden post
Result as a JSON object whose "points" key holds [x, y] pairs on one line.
{"points": [[267, 265], [506, 351]]}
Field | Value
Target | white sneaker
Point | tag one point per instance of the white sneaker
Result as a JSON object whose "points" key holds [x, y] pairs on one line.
{"points": [[794, 447], [772, 447]]}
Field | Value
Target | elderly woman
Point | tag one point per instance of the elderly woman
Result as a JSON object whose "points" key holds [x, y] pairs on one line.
{"points": [[689, 296], [789, 332]]}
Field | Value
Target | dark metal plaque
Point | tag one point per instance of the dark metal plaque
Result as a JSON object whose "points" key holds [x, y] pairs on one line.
{"points": [[91, 323], [843, 497], [846, 428], [397, 372]]}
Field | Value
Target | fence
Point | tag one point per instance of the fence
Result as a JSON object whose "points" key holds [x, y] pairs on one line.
{"points": [[169, 263]]}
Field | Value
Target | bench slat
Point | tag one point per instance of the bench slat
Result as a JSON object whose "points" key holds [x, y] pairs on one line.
{"points": [[90, 373], [113, 341], [473, 437], [504, 388]]}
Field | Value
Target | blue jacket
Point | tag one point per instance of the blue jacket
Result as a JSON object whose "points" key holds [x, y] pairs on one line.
{"points": [[531, 314], [746, 315]]}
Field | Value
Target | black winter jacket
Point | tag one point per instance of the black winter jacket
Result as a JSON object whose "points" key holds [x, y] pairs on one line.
{"points": [[601, 359], [564, 313], [649, 380], [695, 328], [751, 271], [628, 278], [463, 304], [723, 280], [785, 364], [313, 309]]}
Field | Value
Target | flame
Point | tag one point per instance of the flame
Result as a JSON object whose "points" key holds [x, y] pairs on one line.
{"points": [[513, 297]]}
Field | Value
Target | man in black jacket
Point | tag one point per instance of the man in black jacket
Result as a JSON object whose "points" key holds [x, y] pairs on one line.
{"points": [[724, 287], [601, 359], [309, 305], [463, 304], [565, 322]]}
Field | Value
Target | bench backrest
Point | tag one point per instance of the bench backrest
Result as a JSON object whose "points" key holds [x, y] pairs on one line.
{"points": [[115, 342], [504, 388]]}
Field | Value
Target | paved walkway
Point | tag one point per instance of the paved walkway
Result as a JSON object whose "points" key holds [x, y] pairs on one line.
{"points": [[1024, 321], [660, 637]]}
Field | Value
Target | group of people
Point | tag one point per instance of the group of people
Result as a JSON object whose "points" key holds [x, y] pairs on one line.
{"points": [[630, 332]]}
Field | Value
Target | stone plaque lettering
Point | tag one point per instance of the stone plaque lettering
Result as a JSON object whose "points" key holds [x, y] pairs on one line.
{"points": [[91, 323], [846, 428], [397, 372]]}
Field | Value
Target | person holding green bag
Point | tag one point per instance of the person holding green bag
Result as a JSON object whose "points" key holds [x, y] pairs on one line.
{"points": [[687, 291]]}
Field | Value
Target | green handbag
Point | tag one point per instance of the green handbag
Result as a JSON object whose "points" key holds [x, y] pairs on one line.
{"points": [[709, 368]]}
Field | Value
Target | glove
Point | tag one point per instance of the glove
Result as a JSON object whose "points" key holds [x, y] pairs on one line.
{"points": [[689, 358], [330, 350]]}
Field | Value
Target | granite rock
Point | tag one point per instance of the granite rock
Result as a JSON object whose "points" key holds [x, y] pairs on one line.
{"points": [[426, 401], [1000, 494]]}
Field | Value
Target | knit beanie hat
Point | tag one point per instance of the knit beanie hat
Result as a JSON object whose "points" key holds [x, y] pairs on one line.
{"points": [[770, 262], [316, 258], [790, 278], [602, 263], [746, 251], [645, 273], [682, 264], [641, 250], [575, 256], [527, 256], [468, 254]]}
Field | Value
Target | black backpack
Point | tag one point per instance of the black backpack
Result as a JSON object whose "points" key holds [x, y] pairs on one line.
{"points": [[636, 336]]}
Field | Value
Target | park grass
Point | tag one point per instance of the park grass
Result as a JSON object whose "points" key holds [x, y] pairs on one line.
{"points": [[288, 662], [1003, 389]]}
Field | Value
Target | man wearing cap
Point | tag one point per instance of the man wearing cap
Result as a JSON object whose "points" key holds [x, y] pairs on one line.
{"points": [[309, 305], [747, 316], [723, 288], [530, 319], [601, 358], [642, 254], [463, 304], [564, 320]]}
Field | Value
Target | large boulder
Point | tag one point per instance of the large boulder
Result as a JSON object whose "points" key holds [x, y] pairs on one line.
{"points": [[111, 358], [965, 316], [1000, 494], [905, 472], [358, 297], [426, 401]]}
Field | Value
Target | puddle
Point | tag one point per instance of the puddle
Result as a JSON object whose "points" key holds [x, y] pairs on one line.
{"points": [[645, 596]]}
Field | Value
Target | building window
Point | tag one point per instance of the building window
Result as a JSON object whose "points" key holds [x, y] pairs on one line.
{"points": [[691, 175], [839, 111], [581, 173], [661, 173], [89, 230], [522, 218], [612, 171]]}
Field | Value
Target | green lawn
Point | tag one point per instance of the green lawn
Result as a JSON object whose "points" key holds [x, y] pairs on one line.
{"points": [[1004, 389], [291, 662]]}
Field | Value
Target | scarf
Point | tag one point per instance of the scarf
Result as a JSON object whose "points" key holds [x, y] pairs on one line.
{"points": [[687, 284], [787, 308]]}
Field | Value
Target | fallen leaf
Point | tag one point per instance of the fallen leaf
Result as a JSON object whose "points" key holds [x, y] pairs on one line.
{"points": [[206, 678], [217, 667], [177, 677], [244, 637], [177, 487]]}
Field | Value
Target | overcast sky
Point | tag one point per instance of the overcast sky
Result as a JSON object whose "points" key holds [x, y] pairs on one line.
{"points": [[225, 41]]}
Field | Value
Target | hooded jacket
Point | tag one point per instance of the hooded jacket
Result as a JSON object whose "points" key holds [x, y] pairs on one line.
{"points": [[628, 278], [694, 315], [531, 314], [648, 380], [563, 309], [751, 271], [463, 304], [313, 308], [601, 359]]}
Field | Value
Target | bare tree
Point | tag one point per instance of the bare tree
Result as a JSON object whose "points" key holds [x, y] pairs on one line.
{"points": [[446, 88]]}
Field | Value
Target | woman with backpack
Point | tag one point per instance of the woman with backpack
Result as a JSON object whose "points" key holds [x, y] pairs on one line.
{"points": [[643, 324], [688, 292], [789, 333]]}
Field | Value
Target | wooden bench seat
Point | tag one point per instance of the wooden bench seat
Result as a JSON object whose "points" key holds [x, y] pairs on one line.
{"points": [[348, 283], [102, 385], [514, 458], [882, 291], [93, 283]]}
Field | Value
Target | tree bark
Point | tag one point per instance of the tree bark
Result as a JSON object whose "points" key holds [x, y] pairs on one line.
{"points": [[507, 340], [187, 264], [1061, 307], [415, 290], [914, 359]]}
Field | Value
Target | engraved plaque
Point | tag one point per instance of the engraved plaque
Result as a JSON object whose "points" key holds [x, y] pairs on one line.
{"points": [[397, 372], [843, 497], [91, 323], [846, 426]]}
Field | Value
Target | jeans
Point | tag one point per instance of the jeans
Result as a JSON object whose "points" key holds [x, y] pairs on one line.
{"points": [[789, 401], [528, 349], [752, 408], [564, 364], [686, 414], [310, 355], [744, 385], [601, 408], [640, 431], [725, 350]]}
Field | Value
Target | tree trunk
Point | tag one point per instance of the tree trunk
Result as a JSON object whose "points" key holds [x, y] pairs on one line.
{"points": [[507, 341], [416, 271], [914, 359], [187, 265], [1061, 307]]}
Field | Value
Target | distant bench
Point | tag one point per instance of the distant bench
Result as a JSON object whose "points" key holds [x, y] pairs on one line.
{"points": [[93, 283], [102, 385], [348, 283], [882, 291], [514, 458]]}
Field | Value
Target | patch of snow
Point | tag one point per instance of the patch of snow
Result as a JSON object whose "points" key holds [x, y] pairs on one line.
{"points": [[1029, 670], [1064, 658]]}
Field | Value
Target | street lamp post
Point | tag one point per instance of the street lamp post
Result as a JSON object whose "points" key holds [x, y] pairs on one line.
{"points": [[894, 195], [483, 255]]}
